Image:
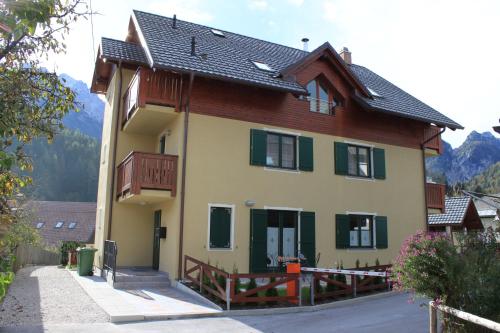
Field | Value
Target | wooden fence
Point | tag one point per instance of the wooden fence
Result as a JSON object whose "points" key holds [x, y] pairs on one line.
{"points": [[34, 255], [433, 317], [222, 285]]}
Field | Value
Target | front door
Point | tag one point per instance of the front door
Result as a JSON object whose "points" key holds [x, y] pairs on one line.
{"points": [[156, 240], [282, 237]]}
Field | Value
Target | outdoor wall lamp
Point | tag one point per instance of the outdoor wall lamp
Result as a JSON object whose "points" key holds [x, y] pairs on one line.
{"points": [[249, 203]]}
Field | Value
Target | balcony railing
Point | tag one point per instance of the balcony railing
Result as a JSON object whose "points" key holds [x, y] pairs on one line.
{"points": [[436, 143], [435, 195], [151, 87], [140, 171]]}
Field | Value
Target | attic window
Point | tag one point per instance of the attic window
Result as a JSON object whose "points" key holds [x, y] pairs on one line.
{"points": [[373, 92], [39, 225], [262, 66], [217, 32], [72, 225], [59, 225]]}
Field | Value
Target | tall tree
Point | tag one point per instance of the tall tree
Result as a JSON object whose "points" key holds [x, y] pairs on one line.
{"points": [[33, 100]]}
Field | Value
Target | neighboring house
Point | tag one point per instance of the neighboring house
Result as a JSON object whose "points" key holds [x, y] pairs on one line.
{"points": [[58, 221], [246, 150], [459, 215], [488, 208]]}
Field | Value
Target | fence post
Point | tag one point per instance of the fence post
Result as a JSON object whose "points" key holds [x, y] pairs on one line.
{"points": [[388, 281], [432, 318], [300, 289], [353, 284], [311, 289], [228, 293], [201, 279]]}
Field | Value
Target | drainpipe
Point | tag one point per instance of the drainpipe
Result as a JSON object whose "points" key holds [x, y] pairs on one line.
{"points": [[115, 143], [422, 146], [183, 177]]}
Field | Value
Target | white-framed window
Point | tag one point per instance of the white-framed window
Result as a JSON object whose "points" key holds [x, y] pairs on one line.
{"points": [[220, 226]]}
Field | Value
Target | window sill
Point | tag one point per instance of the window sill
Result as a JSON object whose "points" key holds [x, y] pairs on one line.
{"points": [[366, 179], [220, 250], [282, 170], [359, 249]]}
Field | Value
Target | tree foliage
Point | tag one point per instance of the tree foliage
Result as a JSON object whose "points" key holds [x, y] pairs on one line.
{"points": [[32, 100]]}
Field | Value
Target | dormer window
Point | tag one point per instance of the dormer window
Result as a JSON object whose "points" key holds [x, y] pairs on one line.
{"points": [[321, 99]]}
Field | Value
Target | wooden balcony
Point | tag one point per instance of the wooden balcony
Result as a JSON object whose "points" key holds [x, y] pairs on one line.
{"points": [[150, 101], [434, 146], [146, 178], [435, 195]]}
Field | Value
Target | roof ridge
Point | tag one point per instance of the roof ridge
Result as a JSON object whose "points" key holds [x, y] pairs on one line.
{"points": [[226, 31]]}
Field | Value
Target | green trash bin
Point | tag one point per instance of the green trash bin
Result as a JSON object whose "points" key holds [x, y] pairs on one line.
{"points": [[85, 260]]}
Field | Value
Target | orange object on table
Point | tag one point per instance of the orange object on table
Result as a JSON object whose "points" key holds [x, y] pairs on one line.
{"points": [[291, 287]]}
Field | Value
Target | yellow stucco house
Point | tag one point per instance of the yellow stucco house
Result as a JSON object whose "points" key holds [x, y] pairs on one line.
{"points": [[239, 151]]}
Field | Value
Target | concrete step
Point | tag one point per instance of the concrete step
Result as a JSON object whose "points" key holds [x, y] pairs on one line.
{"points": [[151, 278], [141, 285]]}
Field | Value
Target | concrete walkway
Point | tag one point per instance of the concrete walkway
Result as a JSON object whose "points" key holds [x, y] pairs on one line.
{"points": [[143, 304]]}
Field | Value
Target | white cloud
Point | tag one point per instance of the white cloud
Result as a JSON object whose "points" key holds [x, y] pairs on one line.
{"points": [[186, 10], [297, 3], [258, 4]]}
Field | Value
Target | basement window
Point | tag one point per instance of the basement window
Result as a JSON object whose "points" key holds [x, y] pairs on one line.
{"points": [[217, 32], [59, 225], [262, 66], [40, 225]]}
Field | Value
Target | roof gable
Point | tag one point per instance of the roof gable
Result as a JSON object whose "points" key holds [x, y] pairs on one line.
{"points": [[459, 211], [326, 51]]}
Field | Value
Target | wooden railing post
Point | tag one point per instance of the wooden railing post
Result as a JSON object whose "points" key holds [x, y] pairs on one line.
{"points": [[201, 279], [300, 289], [353, 284], [228, 292], [433, 322], [311, 289]]}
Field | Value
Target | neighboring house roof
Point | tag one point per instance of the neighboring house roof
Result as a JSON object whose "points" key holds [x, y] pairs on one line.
{"points": [[50, 213], [230, 58], [458, 211], [113, 49], [487, 213]]}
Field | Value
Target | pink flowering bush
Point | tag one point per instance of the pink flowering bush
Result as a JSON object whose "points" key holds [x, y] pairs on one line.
{"points": [[465, 275]]}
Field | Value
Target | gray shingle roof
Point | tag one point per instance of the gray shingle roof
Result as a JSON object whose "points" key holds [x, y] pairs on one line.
{"points": [[118, 50], [230, 58], [455, 209], [394, 100]]}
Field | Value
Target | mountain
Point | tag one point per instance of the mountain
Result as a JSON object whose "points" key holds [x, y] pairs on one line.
{"points": [[478, 152], [487, 181], [66, 169], [89, 119]]}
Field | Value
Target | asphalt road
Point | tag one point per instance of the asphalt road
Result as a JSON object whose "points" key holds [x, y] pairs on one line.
{"points": [[388, 314]]}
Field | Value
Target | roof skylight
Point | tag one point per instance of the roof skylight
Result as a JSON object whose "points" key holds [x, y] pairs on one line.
{"points": [[373, 92], [59, 225], [72, 225], [263, 66], [217, 32], [39, 225]]}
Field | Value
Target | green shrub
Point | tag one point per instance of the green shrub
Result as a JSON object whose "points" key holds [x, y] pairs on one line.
{"points": [[378, 279], [252, 285], [272, 292], [463, 276], [330, 286], [5, 280], [67, 246], [237, 281]]}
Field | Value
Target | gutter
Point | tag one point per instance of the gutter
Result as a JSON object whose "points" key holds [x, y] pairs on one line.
{"points": [[422, 146], [115, 143], [183, 177]]}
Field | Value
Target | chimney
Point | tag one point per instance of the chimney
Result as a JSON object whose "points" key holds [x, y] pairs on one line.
{"points": [[193, 46], [174, 23], [305, 46], [346, 55]]}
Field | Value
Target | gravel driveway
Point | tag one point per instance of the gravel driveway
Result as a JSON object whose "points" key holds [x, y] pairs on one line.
{"points": [[47, 295]]}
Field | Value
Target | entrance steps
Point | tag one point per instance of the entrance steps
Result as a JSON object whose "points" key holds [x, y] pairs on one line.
{"points": [[140, 278]]}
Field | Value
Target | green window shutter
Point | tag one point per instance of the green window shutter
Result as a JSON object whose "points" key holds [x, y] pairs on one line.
{"points": [[258, 147], [306, 156], [342, 231], [220, 228], [340, 158], [308, 237], [162, 144], [381, 232], [258, 240], [379, 163]]}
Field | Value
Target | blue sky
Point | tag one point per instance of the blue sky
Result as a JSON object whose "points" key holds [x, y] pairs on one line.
{"points": [[444, 52]]}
